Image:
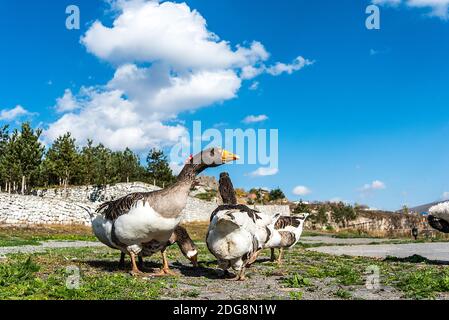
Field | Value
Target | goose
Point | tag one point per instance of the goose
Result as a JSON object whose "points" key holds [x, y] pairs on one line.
{"points": [[286, 232], [438, 217], [236, 232], [231, 238], [102, 227], [145, 221]]}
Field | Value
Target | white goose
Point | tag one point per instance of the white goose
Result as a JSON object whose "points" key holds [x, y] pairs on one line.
{"points": [[236, 233], [438, 217], [232, 238], [285, 234], [146, 220], [102, 227]]}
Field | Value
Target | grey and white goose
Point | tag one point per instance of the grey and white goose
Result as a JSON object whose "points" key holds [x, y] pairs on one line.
{"points": [[102, 227], [438, 217], [234, 236], [146, 220], [285, 234]]}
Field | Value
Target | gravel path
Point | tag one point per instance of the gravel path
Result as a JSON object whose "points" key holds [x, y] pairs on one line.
{"points": [[337, 241], [48, 245], [433, 251]]}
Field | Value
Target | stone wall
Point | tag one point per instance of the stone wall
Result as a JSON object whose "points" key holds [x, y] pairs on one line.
{"points": [[29, 210], [382, 222], [94, 193], [59, 206]]}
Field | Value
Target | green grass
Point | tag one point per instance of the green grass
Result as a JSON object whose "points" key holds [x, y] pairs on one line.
{"points": [[343, 294], [297, 281], [296, 295], [22, 236], [36, 277], [44, 275], [13, 241], [424, 283]]}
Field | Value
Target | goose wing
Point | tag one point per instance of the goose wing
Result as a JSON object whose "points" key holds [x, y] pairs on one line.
{"points": [[253, 214], [111, 210], [286, 221], [438, 224]]}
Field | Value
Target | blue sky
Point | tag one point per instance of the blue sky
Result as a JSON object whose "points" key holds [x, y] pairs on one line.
{"points": [[367, 122]]}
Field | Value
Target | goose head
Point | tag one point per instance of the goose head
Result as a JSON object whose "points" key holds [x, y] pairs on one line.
{"points": [[212, 157], [186, 244], [209, 158]]}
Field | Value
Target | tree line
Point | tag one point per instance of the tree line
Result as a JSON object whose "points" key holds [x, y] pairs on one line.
{"points": [[26, 164]]}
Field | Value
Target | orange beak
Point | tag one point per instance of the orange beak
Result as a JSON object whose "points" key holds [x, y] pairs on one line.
{"points": [[227, 156]]}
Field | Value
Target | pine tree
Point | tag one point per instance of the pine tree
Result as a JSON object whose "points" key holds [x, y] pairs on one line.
{"points": [[63, 161], [28, 152], [88, 174], [276, 194], [4, 137], [127, 166], [158, 169]]}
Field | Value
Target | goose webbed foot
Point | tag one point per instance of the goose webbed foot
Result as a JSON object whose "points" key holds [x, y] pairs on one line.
{"points": [[240, 276]]}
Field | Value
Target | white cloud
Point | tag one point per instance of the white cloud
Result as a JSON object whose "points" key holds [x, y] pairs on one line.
{"points": [[301, 191], [172, 32], [254, 119], [250, 72], [14, 113], [166, 62], [296, 65], [254, 85], [264, 171], [105, 116], [437, 8], [445, 195], [67, 102], [387, 2], [375, 185]]}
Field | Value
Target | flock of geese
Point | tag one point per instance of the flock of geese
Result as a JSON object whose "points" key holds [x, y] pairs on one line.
{"points": [[144, 223]]}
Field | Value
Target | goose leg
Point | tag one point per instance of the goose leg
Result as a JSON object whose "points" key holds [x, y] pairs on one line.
{"points": [[273, 255], [135, 270], [281, 252], [121, 263], [253, 258], [140, 262], [165, 267], [165, 271], [240, 276]]}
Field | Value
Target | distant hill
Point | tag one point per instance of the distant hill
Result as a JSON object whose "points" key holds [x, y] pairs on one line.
{"points": [[425, 207]]}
